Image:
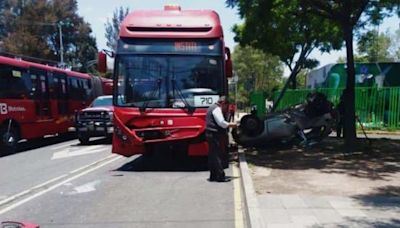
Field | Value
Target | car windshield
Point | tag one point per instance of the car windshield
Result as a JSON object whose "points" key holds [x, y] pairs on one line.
{"points": [[102, 101], [168, 81]]}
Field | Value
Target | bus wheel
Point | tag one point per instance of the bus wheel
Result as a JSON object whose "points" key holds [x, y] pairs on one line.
{"points": [[84, 140], [8, 140]]}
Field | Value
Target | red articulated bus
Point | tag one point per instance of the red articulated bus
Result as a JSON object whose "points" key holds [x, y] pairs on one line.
{"points": [[170, 66], [38, 100]]}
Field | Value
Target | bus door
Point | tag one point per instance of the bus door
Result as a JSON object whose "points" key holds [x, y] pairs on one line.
{"points": [[40, 90], [60, 85]]}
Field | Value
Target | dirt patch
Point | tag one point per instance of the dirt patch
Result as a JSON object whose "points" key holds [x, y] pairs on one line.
{"points": [[326, 170]]}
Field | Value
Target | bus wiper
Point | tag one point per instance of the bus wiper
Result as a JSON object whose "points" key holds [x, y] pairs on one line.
{"points": [[175, 87], [153, 94]]}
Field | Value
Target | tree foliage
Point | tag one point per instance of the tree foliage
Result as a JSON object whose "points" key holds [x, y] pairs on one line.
{"points": [[112, 27], [284, 29], [347, 15], [32, 29], [375, 46], [257, 71], [395, 46]]}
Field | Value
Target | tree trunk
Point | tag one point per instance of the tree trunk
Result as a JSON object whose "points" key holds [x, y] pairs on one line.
{"points": [[283, 91], [294, 82], [349, 128]]}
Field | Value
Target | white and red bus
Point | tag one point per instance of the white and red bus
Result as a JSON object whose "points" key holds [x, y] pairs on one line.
{"points": [[38, 100], [170, 66]]}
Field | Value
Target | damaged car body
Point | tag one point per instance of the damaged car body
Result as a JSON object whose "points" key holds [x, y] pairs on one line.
{"points": [[305, 124]]}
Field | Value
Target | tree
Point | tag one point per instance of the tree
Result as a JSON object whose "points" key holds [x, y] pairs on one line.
{"points": [[375, 47], [357, 59], [285, 30], [347, 14], [395, 46], [9, 10], [35, 32], [112, 27], [257, 71], [301, 78]]}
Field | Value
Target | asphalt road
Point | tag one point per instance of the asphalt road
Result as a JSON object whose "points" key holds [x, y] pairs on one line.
{"points": [[65, 184]]}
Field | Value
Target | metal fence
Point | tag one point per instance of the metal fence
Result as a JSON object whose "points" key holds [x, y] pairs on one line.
{"points": [[377, 108]]}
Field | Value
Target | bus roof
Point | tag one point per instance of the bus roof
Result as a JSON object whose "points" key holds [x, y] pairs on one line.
{"points": [[26, 64], [172, 22]]}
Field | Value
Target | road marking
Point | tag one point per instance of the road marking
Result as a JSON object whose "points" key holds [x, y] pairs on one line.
{"points": [[18, 195], [63, 145], [71, 152], [49, 188], [88, 187], [237, 198]]}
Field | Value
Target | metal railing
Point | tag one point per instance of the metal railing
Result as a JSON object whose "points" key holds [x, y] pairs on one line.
{"points": [[377, 108]]}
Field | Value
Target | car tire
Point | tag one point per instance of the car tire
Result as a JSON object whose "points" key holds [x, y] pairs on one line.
{"points": [[251, 125], [84, 140]]}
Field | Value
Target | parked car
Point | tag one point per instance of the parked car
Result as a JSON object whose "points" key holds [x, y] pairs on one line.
{"points": [[96, 120]]}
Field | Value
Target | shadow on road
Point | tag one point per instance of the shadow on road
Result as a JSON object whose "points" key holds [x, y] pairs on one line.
{"points": [[376, 161], [42, 142], [165, 162]]}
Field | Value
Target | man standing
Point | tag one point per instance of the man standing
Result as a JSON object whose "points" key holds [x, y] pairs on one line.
{"points": [[216, 130]]}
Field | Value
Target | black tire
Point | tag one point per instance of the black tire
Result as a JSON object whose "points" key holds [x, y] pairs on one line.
{"points": [[251, 125], [8, 140], [83, 139]]}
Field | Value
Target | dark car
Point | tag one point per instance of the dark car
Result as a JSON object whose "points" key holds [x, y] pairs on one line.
{"points": [[96, 120]]}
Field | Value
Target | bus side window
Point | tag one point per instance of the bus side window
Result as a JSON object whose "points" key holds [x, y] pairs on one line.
{"points": [[14, 82], [73, 89], [81, 90], [52, 85], [87, 88], [34, 89]]}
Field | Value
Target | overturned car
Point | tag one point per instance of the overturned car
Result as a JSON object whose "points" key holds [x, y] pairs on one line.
{"points": [[305, 124]]}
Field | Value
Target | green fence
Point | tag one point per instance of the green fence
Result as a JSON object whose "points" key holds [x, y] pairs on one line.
{"points": [[377, 108]]}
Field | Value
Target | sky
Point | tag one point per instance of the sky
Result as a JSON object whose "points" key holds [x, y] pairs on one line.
{"points": [[96, 13]]}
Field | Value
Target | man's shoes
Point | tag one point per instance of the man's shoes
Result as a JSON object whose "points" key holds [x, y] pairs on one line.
{"points": [[223, 179]]}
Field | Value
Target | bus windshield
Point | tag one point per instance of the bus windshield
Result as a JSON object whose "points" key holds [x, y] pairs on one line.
{"points": [[168, 81]]}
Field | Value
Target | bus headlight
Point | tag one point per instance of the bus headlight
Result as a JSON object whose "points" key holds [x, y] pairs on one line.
{"points": [[123, 137]]}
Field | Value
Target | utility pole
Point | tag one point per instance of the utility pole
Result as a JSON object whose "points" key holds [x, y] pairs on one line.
{"points": [[59, 24]]}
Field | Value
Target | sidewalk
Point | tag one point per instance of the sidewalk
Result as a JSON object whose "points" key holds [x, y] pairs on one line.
{"points": [[297, 188], [296, 210]]}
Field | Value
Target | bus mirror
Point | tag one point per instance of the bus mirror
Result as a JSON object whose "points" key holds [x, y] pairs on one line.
{"points": [[228, 63], [102, 62]]}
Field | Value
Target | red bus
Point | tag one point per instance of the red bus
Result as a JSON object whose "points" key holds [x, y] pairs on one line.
{"points": [[170, 66], [38, 100]]}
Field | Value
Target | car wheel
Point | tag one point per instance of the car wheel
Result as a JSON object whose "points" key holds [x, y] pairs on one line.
{"points": [[84, 140]]}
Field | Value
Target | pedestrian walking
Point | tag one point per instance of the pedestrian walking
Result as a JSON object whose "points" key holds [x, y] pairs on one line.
{"points": [[216, 130]]}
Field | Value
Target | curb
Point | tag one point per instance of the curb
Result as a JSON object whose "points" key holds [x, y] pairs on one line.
{"points": [[250, 198]]}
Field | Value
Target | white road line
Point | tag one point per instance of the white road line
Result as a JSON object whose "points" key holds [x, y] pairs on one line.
{"points": [[12, 206], [91, 164], [13, 197], [71, 152]]}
